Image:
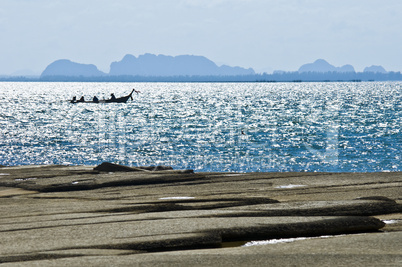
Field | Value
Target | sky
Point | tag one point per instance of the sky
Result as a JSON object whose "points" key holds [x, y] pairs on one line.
{"points": [[265, 35]]}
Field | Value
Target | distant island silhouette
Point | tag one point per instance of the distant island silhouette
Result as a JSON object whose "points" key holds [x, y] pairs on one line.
{"points": [[190, 68], [322, 66], [147, 65], [375, 69], [64, 67], [161, 65]]}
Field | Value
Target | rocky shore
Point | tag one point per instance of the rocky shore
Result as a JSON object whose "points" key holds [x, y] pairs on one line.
{"points": [[114, 215]]}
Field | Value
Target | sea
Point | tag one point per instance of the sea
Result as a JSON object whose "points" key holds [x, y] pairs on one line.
{"points": [[214, 127]]}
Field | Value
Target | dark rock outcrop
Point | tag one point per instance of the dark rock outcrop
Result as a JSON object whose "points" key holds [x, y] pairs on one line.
{"points": [[111, 167]]}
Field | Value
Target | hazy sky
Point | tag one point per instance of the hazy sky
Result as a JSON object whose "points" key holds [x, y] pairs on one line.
{"points": [[262, 34]]}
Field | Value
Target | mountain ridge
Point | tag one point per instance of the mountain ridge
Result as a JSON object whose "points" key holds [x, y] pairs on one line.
{"points": [[321, 65], [150, 65], [147, 65], [65, 67], [375, 69]]}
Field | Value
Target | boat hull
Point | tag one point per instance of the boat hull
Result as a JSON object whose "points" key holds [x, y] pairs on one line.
{"points": [[116, 100]]}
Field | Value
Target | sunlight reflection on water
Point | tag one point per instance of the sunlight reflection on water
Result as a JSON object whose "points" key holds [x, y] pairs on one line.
{"points": [[286, 126]]}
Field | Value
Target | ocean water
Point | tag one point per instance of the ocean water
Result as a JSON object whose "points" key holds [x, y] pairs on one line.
{"points": [[241, 127]]}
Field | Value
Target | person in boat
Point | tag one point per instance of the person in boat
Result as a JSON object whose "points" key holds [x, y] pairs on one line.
{"points": [[81, 99], [95, 99], [74, 99], [112, 97]]}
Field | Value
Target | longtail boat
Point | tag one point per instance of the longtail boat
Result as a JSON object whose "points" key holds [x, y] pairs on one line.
{"points": [[122, 99]]}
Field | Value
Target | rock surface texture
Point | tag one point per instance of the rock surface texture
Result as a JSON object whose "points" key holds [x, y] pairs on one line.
{"points": [[150, 216]]}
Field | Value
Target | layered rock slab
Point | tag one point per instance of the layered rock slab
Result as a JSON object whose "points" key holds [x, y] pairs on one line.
{"points": [[118, 214]]}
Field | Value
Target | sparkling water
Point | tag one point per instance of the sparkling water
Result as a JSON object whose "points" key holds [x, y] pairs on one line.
{"points": [[242, 127]]}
